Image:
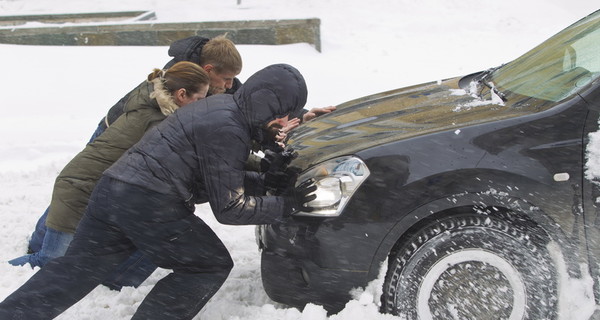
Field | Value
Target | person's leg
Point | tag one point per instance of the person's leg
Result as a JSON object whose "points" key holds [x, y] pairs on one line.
{"points": [[165, 230], [56, 287], [54, 244], [200, 264], [97, 248], [131, 273], [35, 243]]}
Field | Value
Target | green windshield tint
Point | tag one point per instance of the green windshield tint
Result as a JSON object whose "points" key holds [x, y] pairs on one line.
{"points": [[558, 67]]}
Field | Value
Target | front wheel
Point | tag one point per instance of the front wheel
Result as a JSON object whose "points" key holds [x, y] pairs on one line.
{"points": [[472, 267]]}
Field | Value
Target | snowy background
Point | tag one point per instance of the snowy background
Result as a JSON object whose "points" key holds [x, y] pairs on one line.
{"points": [[52, 98]]}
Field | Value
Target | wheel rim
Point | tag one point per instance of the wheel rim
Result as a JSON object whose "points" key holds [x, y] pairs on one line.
{"points": [[485, 263]]}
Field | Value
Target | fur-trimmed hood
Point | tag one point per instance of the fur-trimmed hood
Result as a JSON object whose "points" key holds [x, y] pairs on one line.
{"points": [[163, 97], [152, 94]]}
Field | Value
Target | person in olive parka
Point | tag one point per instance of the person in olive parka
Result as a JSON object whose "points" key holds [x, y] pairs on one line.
{"points": [[219, 58], [149, 104], [146, 201], [164, 92]]}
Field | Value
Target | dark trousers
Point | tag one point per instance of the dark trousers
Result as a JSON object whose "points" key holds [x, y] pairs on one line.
{"points": [[120, 219]]}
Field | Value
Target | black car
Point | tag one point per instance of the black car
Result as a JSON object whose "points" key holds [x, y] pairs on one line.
{"points": [[472, 192]]}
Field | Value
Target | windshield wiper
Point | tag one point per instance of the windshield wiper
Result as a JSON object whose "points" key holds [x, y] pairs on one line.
{"points": [[483, 79], [494, 91]]}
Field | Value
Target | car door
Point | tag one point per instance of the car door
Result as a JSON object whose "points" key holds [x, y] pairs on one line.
{"points": [[586, 54]]}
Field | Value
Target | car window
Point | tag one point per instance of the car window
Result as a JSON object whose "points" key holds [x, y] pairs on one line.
{"points": [[558, 67], [586, 52]]}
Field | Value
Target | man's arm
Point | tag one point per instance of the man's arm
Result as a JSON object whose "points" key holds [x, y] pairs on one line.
{"points": [[316, 112], [223, 156]]}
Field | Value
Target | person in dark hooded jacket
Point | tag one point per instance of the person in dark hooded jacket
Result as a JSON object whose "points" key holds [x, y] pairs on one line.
{"points": [[146, 201]]}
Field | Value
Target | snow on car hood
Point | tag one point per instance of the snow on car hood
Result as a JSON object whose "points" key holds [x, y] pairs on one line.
{"points": [[394, 115]]}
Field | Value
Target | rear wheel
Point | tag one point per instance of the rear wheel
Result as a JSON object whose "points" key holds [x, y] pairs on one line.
{"points": [[472, 267]]}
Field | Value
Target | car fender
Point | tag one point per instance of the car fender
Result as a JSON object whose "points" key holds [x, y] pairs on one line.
{"points": [[492, 199]]}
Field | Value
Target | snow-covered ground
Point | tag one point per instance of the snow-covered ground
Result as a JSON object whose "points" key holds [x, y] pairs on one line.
{"points": [[52, 98]]}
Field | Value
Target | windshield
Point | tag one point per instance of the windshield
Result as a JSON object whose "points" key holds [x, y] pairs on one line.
{"points": [[558, 67]]}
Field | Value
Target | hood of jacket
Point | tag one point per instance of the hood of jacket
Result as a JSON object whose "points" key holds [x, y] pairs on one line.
{"points": [[151, 95], [187, 49], [273, 92]]}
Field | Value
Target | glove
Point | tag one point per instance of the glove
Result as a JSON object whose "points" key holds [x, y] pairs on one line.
{"points": [[296, 198], [269, 158], [277, 161], [276, 182]]}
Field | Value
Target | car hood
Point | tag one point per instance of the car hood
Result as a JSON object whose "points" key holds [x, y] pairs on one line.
{"points": [[394, 115]]}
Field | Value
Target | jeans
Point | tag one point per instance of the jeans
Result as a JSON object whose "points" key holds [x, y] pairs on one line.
{"points": [[131, 273], [101, 127], [37, 237], [119, 220], [54, 244]]}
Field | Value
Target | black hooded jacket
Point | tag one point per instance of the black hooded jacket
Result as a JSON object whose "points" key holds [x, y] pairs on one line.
{"points": [[187, 49], [198, 153]]}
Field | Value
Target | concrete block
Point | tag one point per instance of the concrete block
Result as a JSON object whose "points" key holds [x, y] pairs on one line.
{"points": [[144, 33], [78, 17]]}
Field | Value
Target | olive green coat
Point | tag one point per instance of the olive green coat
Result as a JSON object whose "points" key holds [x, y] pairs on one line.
{"points": [[77, 180]]}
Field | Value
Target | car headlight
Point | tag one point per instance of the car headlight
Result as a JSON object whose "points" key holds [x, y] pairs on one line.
{"points": [[336, 180]]}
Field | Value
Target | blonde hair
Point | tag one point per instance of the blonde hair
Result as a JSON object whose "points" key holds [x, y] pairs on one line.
{"points": [[222, 54]]}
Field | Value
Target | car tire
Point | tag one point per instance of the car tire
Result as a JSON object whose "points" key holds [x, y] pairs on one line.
{"points": [[472, 266]]}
